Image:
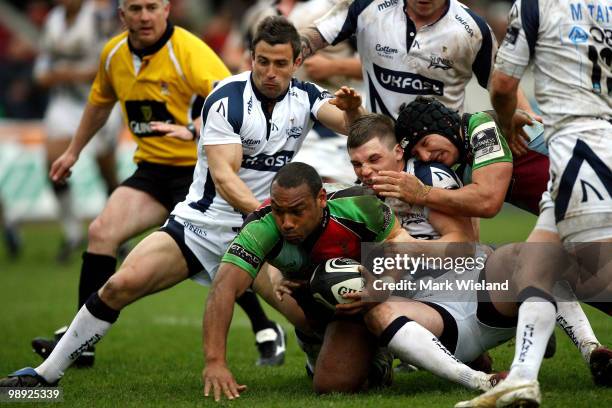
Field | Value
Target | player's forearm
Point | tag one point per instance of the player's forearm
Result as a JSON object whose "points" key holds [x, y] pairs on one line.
{"points": [[351, 116], [504, 99], [349, 67], [93, 118], [217, 319], [469, 201], [311, 40], [236, 193]]}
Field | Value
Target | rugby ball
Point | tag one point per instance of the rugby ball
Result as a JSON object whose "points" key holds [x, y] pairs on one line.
{"points": [[333, 278]]}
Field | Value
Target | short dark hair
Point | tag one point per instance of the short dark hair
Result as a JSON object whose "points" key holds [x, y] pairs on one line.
{"points": [[296, 174], [277, 30], [369, 126]]}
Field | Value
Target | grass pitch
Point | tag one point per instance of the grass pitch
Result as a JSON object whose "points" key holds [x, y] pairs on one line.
{"points": [[152, 356]]}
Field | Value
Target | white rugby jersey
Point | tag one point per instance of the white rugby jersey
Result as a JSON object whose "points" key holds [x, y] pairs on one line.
{"points": [[399, 62], [233, 114], [415, 218], [570, 43], [75, 46]]}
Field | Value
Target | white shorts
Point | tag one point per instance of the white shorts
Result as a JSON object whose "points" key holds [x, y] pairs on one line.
{"points": [[581, 174], [62, 119], [202, 246], [546, 219], [473, 336]]}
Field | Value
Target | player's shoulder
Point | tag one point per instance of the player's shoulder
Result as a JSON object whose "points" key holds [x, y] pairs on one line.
{"points": [[436, 175], [308, 89], [466, 22]]}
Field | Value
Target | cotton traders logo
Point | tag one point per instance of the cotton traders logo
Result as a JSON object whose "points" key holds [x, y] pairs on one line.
{"points": [[386, 4], [385, 49], [577, 35], [436, 61], [407, 83]]}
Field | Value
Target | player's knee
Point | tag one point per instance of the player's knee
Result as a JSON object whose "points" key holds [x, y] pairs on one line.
{"points": [[99, 233], [377, 318], [120, 289]]}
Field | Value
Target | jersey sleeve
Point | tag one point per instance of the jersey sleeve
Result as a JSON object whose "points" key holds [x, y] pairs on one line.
{"points": [[369, 216], [252, 245], [485, 57], [519, 43], [317, 96], [222, 115], [437, 175], [487, 143], [340, 22], [102, 92]]}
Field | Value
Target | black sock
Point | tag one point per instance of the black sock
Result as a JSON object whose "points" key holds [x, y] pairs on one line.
{"points": [[250, 304], [95, 271]]}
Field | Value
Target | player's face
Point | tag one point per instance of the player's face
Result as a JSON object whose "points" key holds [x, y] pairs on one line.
{"points": [[273, 68], [374, 156], [145, 20], [296, 212], [436, 148], [425, 8]]}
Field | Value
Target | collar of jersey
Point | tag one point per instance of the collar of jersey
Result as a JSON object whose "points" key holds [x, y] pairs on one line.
{"points": [[448, 6], [152, 49], [263, 98]]}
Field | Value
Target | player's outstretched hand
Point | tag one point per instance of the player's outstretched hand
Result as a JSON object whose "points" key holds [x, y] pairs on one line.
{"points": [[60, 169], [400, 185], [172, 130], [220, 379], [346, 99]]}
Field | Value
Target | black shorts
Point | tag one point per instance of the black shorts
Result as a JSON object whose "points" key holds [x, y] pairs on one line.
{"points": [[169, 185]]}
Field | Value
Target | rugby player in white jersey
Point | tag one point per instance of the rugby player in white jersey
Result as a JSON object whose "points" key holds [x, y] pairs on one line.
{"points": [[567, 43], [466, 323], [252, 124]]}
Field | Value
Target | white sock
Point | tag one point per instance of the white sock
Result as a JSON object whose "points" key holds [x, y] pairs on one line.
{"points": [[536, 322], [84, 331], [571, 318], [416, 345], [71, 225]]}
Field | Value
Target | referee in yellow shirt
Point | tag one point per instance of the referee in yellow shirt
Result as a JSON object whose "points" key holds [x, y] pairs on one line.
{"points": [[160, 74]]}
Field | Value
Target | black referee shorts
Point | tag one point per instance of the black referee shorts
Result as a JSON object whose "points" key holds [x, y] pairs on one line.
{"points": [[169, 185]]}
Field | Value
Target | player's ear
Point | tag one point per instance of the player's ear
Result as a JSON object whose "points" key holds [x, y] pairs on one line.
{"points": [[298, 61], [398, 152], [322, 198]]}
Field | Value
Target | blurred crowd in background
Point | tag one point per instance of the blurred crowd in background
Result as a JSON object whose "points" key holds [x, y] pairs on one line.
{"points": [[217, 22]]}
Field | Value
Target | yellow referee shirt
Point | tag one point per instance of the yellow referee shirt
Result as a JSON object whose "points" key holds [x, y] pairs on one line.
{"points": [[160, 83]]}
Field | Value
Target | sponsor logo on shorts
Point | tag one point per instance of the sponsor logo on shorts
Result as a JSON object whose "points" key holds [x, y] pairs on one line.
{"points": [[239, 251], [194, 228], [407, 83]]}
